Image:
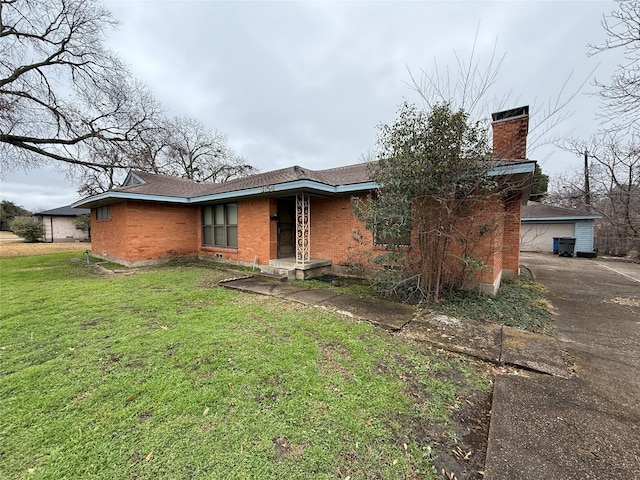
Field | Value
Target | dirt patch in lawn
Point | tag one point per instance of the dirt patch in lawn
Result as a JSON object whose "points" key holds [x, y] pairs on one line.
{"points": [[463, 454], [13, 246], [458, 450], [284, 449]]}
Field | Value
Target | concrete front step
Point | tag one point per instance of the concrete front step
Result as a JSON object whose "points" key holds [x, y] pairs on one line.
{"points": [[316, 267]]}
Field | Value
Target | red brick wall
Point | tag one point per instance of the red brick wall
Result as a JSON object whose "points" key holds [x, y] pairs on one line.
{"points": [[161, 230], [510, 137], [483, 234], [139, 231], [502, 249], [511, 236], [494, 255], [331, 231], [332, 226], [257, 234], [108, 237], [333, 223]]}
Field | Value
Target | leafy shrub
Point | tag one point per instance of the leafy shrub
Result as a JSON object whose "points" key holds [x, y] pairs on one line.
{"points": [[28, 228], [83, 222]]}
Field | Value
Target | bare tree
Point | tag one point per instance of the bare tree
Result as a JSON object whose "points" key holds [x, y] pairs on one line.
{"points": [[193, 151], [566, 190], [113, 160], [613, 188], [62, 93], [466, 89], [621, 95], [610, 186], [179, 147], [470, 88], [94, 179]]}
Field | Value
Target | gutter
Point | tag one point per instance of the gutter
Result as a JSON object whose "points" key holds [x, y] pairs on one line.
{"points": [[559, 219]]}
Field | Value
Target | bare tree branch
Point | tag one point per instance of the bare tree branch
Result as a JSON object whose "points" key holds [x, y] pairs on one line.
{"points": [[60, 87], [621, 95]]}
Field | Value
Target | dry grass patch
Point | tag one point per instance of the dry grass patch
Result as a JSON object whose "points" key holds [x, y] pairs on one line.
{"points": [[13, 246]]}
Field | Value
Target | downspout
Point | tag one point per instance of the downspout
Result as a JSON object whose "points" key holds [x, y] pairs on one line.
{"points": [[51, 220]]}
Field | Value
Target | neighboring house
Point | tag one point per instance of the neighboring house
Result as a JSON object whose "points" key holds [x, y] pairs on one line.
{"points": [[58, 224], [542, 223], [294, 218]]}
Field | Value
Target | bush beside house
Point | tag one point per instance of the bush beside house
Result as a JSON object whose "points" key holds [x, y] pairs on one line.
{"points": [[30, 229]]}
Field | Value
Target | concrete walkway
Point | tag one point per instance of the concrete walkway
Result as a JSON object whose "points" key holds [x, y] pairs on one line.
{"points": [[577, 424], [490, 342], [588, 426]]}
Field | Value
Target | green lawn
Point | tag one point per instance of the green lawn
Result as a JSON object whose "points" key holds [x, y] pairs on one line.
{"points": [[164, 374]]}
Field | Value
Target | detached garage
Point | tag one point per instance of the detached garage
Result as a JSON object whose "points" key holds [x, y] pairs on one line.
{"points": [[59, 227], [541, 223]]}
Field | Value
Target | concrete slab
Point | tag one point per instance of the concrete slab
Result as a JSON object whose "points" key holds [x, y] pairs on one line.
{"points": [[541, 353], [587, 426], [263, 286], [388, 315], [622, 267], [478, 340], [312, 297], [545, 427]]}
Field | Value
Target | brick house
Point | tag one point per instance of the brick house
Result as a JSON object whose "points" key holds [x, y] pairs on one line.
{"points": [[294, 218]]}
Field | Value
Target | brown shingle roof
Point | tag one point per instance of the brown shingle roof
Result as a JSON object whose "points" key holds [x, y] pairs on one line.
{"points": [[179, 187], [155, 184], [154, 187]]}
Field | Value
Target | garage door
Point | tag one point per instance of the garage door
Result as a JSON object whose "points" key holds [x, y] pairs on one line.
{"points": [[538, 237]]}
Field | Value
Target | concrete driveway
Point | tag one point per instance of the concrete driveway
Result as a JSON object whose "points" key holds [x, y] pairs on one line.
{"points": [[587, 426]]}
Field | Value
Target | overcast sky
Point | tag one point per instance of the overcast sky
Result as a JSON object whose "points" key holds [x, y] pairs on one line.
{"points": [[306, 83]]}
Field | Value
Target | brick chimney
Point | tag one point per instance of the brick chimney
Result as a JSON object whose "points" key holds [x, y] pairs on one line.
{"points": [[510, 129]]}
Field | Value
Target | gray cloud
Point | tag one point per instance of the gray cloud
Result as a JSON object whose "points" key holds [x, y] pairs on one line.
{"points": [[38, 190], [307, 82]]}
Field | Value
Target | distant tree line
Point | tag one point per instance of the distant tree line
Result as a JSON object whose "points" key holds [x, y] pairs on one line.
{"points": [[9, 211]]}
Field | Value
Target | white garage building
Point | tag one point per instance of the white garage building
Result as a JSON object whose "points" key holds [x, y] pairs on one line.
{"points": [[59, 227], [541, 223]]}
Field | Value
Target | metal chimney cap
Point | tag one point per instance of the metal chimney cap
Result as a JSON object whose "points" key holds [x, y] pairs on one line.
{"points": [[509, 114]]}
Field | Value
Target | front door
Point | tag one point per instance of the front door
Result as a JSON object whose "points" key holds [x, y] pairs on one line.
{"points": [[286, 228]]}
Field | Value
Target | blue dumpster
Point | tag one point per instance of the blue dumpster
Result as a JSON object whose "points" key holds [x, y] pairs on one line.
{"points": [[555, 245]]}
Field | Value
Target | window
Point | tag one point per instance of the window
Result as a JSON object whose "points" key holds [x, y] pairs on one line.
{"points": [[220, 225], [103, 213]]}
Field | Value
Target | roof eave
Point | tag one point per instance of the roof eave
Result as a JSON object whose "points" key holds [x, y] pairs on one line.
{"points": [[561, 219], [111, 197], [307, 186], [525, 167], [518, 177]]}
